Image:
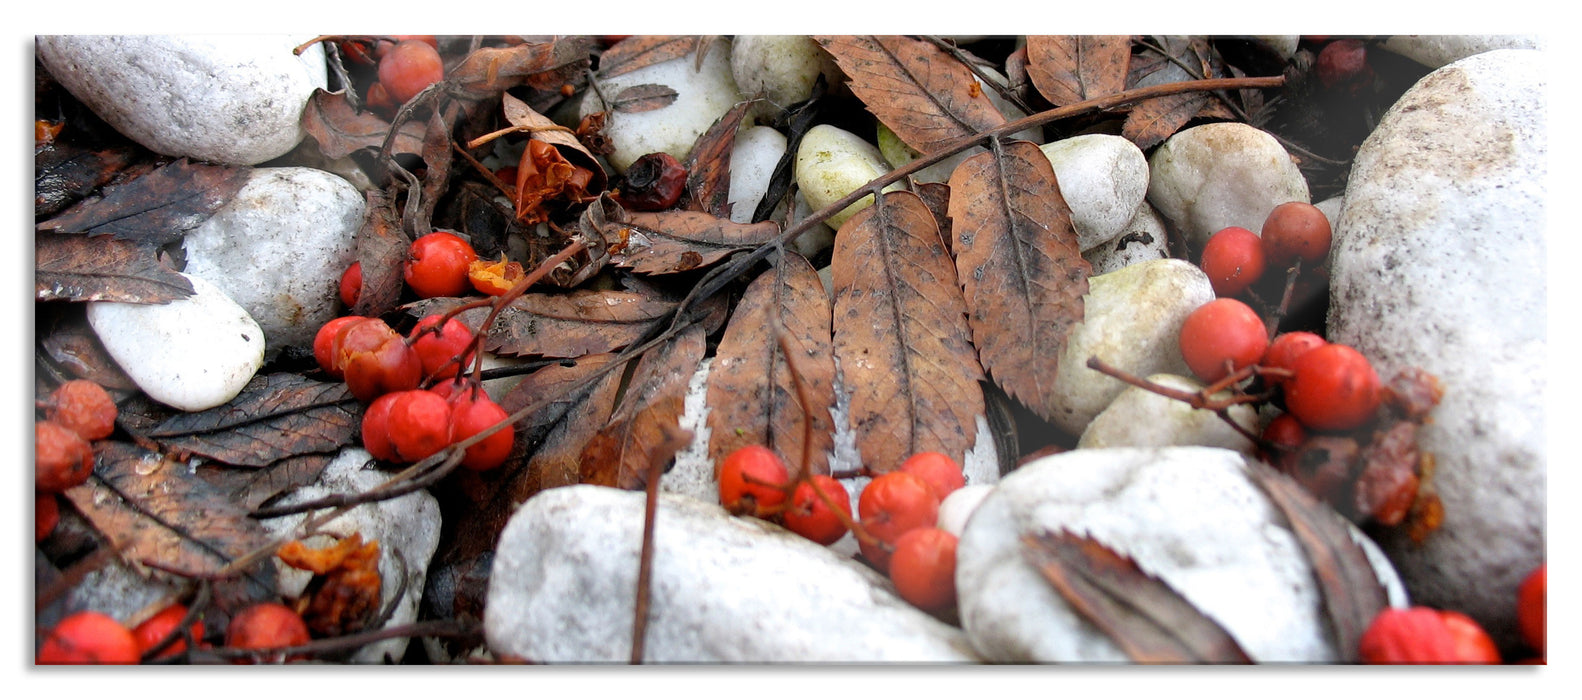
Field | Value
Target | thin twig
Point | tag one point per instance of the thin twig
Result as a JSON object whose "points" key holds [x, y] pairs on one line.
{"points": [[675, 439]]}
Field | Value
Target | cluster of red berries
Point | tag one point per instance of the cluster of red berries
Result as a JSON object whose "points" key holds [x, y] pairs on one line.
{"points": [[438, 264], [1234, 258], [92, 637], [897, 513], [406, 64], [1422, 635], [75, 414]]}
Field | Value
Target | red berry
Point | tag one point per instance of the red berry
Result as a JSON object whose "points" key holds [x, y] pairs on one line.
{"points": [[419, 425], [472, 412], [375, 360], [1296, 230], [409, 67], [810, 517], [1221, 331], [1284, 350], [1414, 635], [266, 626], [1233, 259], [1472, 644], [352, 284], [1344, 63], [324, 341], [88, 637], [437, 351], [1531, 608], [46, 515], [1287, 433], [940, 472], [752, 481], [155, 629], [437, 264], [83, 407], [891, 505], [1333, 388], [923, 568], [61, 458], [654, 182], [376, 428]]}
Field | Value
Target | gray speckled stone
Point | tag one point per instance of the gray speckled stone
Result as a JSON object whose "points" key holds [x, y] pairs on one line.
{"points": [[1142, 418], [1223, 174], [1187, 515], [1438, 50], [780, 67], [235, 99], [278, 249], [1143, 239], [1103, 179], [1439, 263], [724, 590]]}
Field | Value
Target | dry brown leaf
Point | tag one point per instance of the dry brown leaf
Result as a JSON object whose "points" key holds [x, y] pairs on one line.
{"points": [[341, 130], [924, 95], [275, 416], [901, 336], [545, 65], [542, 128], [1070, 69], [1152, 121], [620, 455], [708, 164], [643, 50], [665, 242], [381, 251], [157, 207], [76, 267], [563, 324], [555, 435], [64, 174], [643, 98], [1022, 273], [751, 397]]}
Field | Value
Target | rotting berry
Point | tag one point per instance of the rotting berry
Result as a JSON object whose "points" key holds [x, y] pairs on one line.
{"points": [[419, 424], [155, 629], [437, 263], [654, 182], [753, 481], [923, 568], [88, 637], [61, 458], [266, 626], [437, 350], [1333, 388], [324, 343], [891, 505], [1233, 259], [1532, 609], [375, 360], [941, 472], [810, 517], [1221, 337], [494, 277], [473, 412], [1296, 230], [352, 284], [408, 67], [84, 407]]}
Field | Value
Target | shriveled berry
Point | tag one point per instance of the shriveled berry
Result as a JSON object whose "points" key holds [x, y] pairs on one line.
{"points": [[1343, 64], [1532, 608], [1220, 337], [1296, 230], [409, 67], [46, 515], [753, 481], [654, 182], [266, 626], [891, 505], [352, 284], [324, 343], [437, 350], [473, 412], [419, 425], [376, 428], [494, 277], [391, 366], [1284, 350], [61, 458], [1233, 259], [437, 263], [84, 407], [88, 637], [155, 629], [1333, 388], [941, 472], [809, 515], [923, 568]]}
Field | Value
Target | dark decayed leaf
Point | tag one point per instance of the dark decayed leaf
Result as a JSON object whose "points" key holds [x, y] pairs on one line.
{"points": [[643, 98], [1152, 121], [708, 164], [901, 336], [622, 452], [798, 119], [74, 267], [936, 196], [665, 242], [151, 508], [63, 174], [643, 50], [1141, 614], [341, 130], [923, 94], [751, 396], [1346, 581], [381, 251], [545, 65], [567, 324], [1070, 69], [158, 207], [73, 346], [1021, 271], [275, 416], [252, 488]]}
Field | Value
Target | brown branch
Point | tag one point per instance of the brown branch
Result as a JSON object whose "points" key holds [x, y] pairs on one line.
{"points": [[675, 440]]}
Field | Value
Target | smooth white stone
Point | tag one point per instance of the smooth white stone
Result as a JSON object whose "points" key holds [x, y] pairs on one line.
{"points": [[1103, 179], [1143, 239], [1142, 418], [1439, 50], [702, 97], [831, 163], [1224, 174]]}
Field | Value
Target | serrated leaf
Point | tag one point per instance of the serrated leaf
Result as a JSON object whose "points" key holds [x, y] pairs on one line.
{"points": [[156, 208], [643, 50], [341, 130], [924, 95], [1021, 270], [275, 416], [666, 242], [75, 267], [901, 336], [622, 451], [1070, 69], [565, 324], [643, 98], [708, 164]]}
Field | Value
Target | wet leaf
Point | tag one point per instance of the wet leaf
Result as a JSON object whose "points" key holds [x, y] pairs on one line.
{"points": [[74, 267], [751, 397], [71, 343], [708, 164], [641, 51], [621, 453], [643, 98], [1347, 584], [275, 416], [152, 509], [341, 130], [1022, 273], [924, 95], [381, 251], [253, 488], [1070, 69], [564, 324], [666, 242], [901, 336], [63, 174], [546, 65], [157, 208], [1141, 614]]}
